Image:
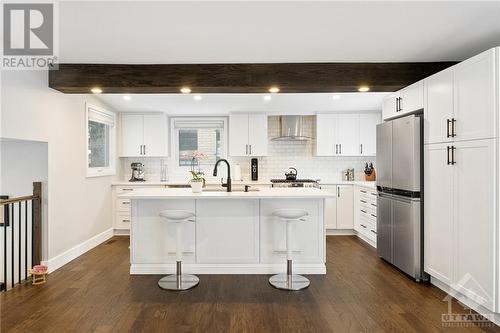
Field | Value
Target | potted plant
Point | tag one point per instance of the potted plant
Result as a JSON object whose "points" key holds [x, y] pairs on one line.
{"points": [[197, 182]]}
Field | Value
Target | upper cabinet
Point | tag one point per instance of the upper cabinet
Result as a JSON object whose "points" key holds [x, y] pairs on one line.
{"points": [[248, 134], [460, 101], [143, 135], [346, 134], [404, 101]]}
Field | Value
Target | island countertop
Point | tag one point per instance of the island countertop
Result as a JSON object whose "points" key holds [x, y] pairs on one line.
{"points": [[186, 193]]}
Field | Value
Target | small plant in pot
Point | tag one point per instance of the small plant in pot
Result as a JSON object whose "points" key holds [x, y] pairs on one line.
{"points": [[197, 182]]}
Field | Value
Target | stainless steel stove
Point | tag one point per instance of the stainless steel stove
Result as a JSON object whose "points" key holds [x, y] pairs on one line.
{"points": [[295, 183]]}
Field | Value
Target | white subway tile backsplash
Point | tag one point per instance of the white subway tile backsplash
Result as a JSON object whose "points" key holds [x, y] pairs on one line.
{"points": [[281, 156]]}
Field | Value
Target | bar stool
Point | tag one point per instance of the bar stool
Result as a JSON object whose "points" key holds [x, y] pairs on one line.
{"points": [[178, 281], [289, 281]]}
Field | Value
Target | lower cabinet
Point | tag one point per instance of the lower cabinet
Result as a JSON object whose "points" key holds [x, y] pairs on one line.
{"points": [[365, 214], [460, 217], [121, 207], [339, 210], [227, 233]]}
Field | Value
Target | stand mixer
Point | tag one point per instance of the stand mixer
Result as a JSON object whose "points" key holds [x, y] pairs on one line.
{"points": [[137, 172]]}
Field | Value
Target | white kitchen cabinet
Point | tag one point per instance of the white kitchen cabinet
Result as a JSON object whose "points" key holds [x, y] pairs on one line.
{"points": [[461, 101], [330, 207], [459, 217], [345, 207], [257, 134], [411, 98], [339, 210], [218, 241], [368, 133], [326, 134], [365, 214], [438, 212], [121, 207], [348, 134], [438, 111], [248, 135], [475, 95], [144, 135], [132, 135], [475, 226], [389, 106], [404, 101]]}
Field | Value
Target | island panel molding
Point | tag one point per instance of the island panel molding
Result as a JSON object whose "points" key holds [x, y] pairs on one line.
{"points": [[240, 78]]}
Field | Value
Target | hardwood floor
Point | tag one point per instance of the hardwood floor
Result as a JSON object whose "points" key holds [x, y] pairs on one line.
{"points": [[360, 293]]}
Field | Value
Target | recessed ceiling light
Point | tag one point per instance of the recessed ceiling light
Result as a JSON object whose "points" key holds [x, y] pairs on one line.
{"points": [[185, 90], [274, 90], [267, 97], [197, 97], [364, 89], [336, 97], [96, 90], [127, 97]]}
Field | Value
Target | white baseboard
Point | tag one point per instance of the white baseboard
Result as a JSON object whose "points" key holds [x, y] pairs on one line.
{"points": [[76, 251], [312, 269], [121, 232], [494, 317], [340, 232], [367, 240]]}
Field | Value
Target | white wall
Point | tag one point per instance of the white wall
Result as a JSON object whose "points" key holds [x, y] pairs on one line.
{"points": [[79, 208]]}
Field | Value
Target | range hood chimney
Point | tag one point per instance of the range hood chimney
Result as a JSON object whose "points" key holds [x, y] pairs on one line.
{"points": [[292, 129]]}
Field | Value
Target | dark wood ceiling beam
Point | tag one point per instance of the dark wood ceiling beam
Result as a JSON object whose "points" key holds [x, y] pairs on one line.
{"points": [[240, 78]]}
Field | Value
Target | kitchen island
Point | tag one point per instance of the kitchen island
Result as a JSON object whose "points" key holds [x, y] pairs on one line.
{"points": [[233, 232]]}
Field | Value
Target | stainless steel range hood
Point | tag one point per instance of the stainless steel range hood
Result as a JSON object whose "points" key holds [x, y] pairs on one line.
{"points": [[292, 129]]}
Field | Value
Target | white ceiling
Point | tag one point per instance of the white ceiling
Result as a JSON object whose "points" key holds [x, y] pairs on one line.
{"points": [[222, 104], [283, 31]]}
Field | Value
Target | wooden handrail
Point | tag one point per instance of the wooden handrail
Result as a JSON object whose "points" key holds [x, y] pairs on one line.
{"points": [[18, 199]]}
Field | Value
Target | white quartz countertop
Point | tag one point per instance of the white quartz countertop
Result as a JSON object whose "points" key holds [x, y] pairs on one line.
{"points": [[186, 193], [361, 183]]}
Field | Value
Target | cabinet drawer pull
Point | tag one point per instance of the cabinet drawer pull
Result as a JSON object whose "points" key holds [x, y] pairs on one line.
{"points": [[373, 231], [127, 189], [364, 226], [363, 201], [363, 211], [453, 122], [373, 215], [125, 203], [362, 191], [374, 205], [375, 194], [127, 220]]}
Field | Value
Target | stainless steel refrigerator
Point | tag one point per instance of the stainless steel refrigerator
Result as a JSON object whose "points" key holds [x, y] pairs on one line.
{"points": [[399, 200]]}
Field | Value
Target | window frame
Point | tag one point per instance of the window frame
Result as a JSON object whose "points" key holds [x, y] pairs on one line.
{"points": [[174, 136], [101, 171]]}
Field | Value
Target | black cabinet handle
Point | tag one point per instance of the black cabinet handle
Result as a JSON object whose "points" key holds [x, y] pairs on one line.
{"points": [[453, 122], [373, 231], [448, 122], [453, 155], [373, 215], [364, 211], [363, 201], [364, 226], [362, 191], [448, 155]]}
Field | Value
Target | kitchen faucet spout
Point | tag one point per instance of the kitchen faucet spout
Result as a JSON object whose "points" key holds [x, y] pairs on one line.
{"points": [[228, 181]]}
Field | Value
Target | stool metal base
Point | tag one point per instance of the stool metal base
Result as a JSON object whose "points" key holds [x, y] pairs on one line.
{"points": [[178, 282], [289, 282]]}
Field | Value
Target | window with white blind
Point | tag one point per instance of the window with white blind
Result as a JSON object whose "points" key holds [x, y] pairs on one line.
{"points": [[198, 142], [101, 141]]}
